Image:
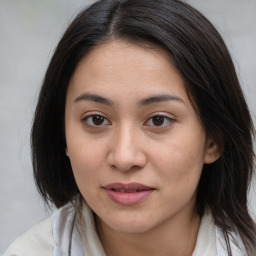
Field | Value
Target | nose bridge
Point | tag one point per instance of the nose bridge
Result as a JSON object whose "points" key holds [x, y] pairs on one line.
{"points": [[126, 136], [126, 151]]}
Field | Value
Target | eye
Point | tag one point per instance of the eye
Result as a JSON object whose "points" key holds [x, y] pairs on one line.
{"points": [[96, 120], [159, 121]]}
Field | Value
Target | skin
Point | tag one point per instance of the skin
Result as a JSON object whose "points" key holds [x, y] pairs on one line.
{"points": [[128, 145]]}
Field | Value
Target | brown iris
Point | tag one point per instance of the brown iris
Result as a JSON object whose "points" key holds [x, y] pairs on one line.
{"points": [[98, 120], [158, 120]]}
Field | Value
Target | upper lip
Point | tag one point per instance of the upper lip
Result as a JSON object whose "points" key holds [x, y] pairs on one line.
{"points": [[127, 187]]}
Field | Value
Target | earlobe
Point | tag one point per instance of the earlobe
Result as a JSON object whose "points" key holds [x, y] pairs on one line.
{"points": [[213, 151], [66, 150]]}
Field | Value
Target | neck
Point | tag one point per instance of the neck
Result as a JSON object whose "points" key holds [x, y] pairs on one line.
{"points": [[173, 237]]}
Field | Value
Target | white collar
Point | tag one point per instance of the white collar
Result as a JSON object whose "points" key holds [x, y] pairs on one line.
{"points": [[76, 235], [206, 238]]}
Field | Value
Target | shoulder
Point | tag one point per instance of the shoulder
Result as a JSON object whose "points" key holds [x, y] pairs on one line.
{"points": [[38, 241]]}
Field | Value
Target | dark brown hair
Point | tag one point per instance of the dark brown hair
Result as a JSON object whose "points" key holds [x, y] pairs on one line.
{"points": [[199, 53]]}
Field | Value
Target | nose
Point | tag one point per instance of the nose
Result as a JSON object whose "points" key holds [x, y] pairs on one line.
{"points": [[126, 150]]}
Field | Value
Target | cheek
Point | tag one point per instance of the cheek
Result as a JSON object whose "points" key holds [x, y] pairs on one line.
{"points": [[180, 170], [180, 160], [86, 163], [86, 157]]}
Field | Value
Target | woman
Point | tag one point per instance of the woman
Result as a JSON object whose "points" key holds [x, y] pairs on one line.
{"points": [[142, 138]]}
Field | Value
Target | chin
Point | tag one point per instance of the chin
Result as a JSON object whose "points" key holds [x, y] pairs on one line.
{"points": [[133, 226]]}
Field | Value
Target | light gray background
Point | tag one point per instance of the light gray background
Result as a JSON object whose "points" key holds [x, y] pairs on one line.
{"points": [[29, 32]]}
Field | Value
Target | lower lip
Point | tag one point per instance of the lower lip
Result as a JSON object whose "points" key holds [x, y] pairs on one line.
{"points": [[123, 198]]}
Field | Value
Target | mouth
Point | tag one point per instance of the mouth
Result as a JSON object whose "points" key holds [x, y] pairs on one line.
{"points": [[126, 190], [128, 194]]}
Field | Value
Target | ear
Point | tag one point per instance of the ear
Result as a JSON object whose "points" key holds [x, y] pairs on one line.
{"points": [[213, 150], [66, 149]]}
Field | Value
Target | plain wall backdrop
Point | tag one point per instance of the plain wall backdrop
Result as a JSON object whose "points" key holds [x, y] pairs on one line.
{"points": [[29, 32]]}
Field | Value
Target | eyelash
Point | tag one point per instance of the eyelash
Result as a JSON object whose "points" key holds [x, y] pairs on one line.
{"points": [[163, 118], [88, 120]]}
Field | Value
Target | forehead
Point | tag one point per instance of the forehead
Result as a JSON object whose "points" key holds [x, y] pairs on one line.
{"points": [[124, 67], [121, 56]]}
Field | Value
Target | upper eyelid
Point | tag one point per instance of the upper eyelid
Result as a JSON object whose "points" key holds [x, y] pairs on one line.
{"points": [[92, 113], [164, 114], [88, 116]]}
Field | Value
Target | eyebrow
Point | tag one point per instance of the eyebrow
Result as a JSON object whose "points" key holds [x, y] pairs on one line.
{"points": [[143, 102], [95, 98], [159, 98]]}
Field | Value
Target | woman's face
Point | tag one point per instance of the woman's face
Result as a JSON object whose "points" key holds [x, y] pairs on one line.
{"points": [[136, 146]]}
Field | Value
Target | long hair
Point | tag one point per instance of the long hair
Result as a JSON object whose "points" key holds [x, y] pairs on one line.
{"points": [[199, 53]]}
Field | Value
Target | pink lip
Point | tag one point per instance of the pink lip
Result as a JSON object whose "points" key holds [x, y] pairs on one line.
{"points": [[128, 194]]}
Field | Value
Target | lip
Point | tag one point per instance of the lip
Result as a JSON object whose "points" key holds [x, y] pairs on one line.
{"points": [[127, 194]]}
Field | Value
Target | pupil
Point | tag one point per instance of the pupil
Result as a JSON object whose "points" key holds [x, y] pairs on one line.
{"points": [[98, 120], [158, 120]]}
